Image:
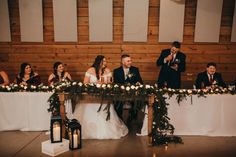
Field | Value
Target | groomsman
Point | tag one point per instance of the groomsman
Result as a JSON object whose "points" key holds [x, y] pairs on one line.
{"points": [[172, 63], [209, 78], [126, 74]]}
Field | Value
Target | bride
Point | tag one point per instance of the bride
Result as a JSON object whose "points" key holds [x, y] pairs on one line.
{"points": [[94, 124]]}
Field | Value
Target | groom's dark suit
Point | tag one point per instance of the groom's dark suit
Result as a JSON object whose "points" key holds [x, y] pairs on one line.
{"points": [[119, 78], [203, 80], [168, 74]]}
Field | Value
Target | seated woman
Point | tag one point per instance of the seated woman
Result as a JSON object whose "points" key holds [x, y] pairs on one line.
{"points": [[94, 124], [4, 80], [58, 74], [27, 76]]}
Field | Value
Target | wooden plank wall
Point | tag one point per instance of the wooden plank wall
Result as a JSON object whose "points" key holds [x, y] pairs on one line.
{"points": [[80, 55]]}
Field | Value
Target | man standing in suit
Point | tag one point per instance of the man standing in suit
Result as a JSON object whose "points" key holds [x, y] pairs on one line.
{"points": [[209, 78], [172, 63], [126, 74]]}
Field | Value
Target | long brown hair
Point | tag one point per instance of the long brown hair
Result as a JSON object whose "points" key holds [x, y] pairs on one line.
{"points": [[97, 64]]}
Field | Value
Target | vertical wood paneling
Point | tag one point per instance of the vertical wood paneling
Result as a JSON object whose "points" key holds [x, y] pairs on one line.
{"points": [[135, 20], [233, 34], [100, 20], [208, 19], [171, 20], [65, 20], [5, 34], [31, 20], [78, 56]]}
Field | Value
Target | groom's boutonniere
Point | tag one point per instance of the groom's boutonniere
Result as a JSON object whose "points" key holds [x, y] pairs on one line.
{"points": [[130, 75]]}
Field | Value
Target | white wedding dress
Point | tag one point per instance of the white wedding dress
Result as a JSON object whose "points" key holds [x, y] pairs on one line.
{"points": [[94, 124]]}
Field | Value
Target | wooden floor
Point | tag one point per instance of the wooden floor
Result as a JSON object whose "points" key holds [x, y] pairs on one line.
{"points": [[28, 144]]}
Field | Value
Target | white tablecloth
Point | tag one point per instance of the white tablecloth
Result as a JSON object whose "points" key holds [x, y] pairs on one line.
{"points": [[25, 111], [214, 115]]}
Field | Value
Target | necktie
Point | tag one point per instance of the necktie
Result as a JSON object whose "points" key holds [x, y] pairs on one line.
{"points": [[211, 79], [172, 57]]}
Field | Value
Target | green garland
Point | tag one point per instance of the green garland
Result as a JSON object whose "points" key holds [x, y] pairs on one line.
{"points": [[162, 130]]}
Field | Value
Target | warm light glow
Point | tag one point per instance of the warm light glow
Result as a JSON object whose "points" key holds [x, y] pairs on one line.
{"points": [[56, 132], [166, 148], [154, 154]]}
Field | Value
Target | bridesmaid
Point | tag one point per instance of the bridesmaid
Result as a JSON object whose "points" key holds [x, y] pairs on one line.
{"points": [[27, 76], [59, 74], [4, 80]]}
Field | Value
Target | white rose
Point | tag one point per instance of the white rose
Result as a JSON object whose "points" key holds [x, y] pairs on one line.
{"points": [[127, 88], [169, 89], [147, 86], [98, 85], [15, 85], [180, 91], [104, 86], [25, 87], [141, 86], [63, 84], [108, 86], [80, 84], [132, 87], [74, 83], [116, 85], [136, 87], [122, 87], [190, 91], [217, 89], [3, 86], [8, 88]]}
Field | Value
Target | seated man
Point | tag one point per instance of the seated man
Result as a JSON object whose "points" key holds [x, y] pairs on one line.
{"points": [[209, 78], [126, 74]]}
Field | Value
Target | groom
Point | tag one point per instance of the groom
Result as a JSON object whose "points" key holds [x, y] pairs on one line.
{"points": [[126, 74]]}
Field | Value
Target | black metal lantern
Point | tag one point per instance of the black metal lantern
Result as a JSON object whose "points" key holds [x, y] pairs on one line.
{"points": [[56, 129], [75, 135]]}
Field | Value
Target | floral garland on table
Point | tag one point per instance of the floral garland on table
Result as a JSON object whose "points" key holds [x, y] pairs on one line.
{"points": [[162, 130], [29, 88]]}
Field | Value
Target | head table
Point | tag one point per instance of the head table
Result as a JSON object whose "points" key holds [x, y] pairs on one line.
{"points": [[25, 111], [214, 115]]}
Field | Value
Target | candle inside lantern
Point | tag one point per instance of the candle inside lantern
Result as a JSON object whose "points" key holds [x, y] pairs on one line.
{"points": [[75, 138], [56, 133]]}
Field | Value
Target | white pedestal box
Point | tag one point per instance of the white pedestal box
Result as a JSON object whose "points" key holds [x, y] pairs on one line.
{"points": [[54, 149]]}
